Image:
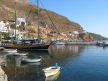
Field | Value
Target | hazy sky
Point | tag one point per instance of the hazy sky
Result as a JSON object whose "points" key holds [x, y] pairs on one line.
{"points": [[92, 15]]}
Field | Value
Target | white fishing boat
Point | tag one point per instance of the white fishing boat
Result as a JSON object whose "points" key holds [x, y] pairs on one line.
{"points": [[10, 50], [20, 64], [51, 70], [18, 54], [28, 60]]}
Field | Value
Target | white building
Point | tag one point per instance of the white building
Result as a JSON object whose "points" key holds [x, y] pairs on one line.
{"points": [[81, 32], [73, 32], [3, 27], [19, 21], [77, 32]]}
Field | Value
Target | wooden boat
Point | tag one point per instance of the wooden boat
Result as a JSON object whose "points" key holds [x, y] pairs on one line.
{"points": [[29, 46], [34, 44], [51, 71]]}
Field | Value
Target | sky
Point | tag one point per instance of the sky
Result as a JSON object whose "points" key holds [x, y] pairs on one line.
{"points": [[92, 15]]}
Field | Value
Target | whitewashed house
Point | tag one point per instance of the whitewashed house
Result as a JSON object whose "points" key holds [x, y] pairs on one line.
{"points": [[19, 21], [3, 27], [73, 33], [77, 32]]}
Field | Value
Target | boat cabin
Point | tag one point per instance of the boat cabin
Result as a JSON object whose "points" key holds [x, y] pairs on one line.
{"points": [[30, 42]]}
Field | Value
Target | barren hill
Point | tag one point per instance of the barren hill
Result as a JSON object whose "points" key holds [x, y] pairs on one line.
{"points": [[25, 7]]}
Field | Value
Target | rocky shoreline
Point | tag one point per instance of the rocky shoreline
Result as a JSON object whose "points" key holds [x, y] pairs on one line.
{"points": [[3, 76]]}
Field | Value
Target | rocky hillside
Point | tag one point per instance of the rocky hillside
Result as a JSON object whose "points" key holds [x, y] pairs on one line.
{"points": [[98, 37], [62, 24]]}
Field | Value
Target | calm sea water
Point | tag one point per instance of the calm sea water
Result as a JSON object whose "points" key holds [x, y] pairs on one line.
{"points": [[78, 63]]}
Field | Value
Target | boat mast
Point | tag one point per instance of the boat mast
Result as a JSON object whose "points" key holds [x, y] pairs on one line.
{"points": [[15, 19], [37, 32], [25, 28]]}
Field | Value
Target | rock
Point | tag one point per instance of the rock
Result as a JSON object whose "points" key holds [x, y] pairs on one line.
{"points": [[3, 76]]}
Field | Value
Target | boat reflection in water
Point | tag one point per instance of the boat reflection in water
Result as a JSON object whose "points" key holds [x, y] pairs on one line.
{"points": [[53, 77]]}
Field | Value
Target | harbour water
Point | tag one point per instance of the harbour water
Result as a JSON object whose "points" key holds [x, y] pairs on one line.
{"points": [[78, 63]]}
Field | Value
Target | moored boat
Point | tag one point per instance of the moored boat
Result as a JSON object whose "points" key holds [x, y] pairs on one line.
{"points": [[18, 54], [36, 44], [51, 70], [53, 77], [10, 50], [28, 60], [105, 44], [28, 46]]}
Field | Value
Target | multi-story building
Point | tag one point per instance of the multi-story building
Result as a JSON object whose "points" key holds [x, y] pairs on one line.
{"points": [[3, 27], [20, 20]]}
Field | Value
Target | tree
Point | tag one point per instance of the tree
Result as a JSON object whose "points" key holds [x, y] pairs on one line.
{"points": [[12, 26], [22, 26]]}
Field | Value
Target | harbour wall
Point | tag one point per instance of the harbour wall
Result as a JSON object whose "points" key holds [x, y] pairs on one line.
{"points": [[74, 43]]}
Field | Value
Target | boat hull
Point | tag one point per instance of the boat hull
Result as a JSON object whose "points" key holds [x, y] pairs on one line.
{"points": [[31, 61], [53, 77], [50, 73], [28, 47], [10, 50]]}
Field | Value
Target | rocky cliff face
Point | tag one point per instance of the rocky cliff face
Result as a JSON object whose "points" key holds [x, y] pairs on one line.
{"points": [[3, 76], [60, 23]]}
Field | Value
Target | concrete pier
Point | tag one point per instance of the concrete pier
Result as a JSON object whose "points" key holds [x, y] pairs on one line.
{"points": [[75, 43]]}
